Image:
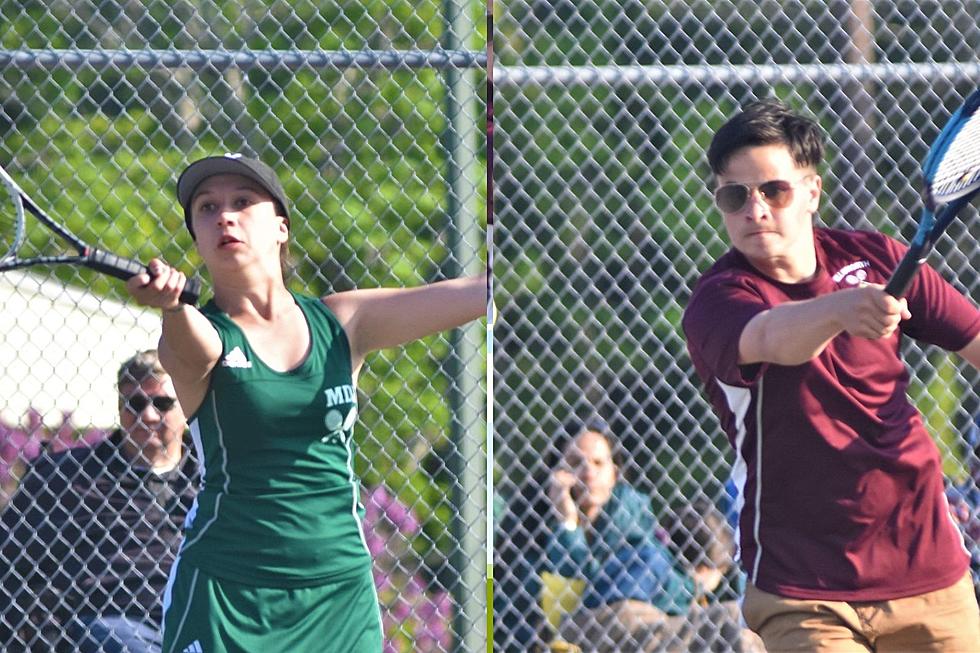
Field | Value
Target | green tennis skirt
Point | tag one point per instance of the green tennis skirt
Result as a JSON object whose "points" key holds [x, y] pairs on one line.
{"points": [[204, 614]]}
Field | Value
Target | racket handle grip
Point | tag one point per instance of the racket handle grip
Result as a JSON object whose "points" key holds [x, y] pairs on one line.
{"points": [[903, 275], [191, 292], [126, 268]]}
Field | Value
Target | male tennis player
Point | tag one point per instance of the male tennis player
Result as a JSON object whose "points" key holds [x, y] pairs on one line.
{"points": [[845, 532]]}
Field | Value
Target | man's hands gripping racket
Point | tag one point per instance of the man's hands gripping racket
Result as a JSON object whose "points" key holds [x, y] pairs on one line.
{"points": [[13, 232], [952, 178]]}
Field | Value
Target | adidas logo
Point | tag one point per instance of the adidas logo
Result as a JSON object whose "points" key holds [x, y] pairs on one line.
{"points": [[236, 358], [195, 647]]}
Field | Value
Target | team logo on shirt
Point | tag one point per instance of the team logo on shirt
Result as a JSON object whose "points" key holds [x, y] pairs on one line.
{"points": [[853, 273], [236, 358], [341, 413]]}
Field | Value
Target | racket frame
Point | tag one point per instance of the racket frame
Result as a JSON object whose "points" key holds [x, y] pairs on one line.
{"points": [[88, 256], [932, 224]]}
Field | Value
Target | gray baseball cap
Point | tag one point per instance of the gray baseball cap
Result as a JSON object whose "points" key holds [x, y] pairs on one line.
{"points": [[228, 164]]}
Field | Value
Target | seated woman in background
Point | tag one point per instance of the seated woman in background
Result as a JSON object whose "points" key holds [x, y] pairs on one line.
{"points": [[636, 595]]}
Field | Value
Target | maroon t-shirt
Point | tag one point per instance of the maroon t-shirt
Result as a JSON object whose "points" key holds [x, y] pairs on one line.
{"points": [[840, 485]]}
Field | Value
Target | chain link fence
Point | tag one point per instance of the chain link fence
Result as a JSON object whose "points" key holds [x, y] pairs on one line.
{"points": [[372, 115], [604, 220]]}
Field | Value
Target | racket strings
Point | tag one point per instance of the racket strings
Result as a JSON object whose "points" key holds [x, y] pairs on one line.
{"points": [[22, 235], [958, 171]]}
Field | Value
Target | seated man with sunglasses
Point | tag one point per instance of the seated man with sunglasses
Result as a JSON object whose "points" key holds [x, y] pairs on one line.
{"points": [[89, 537], [844, 530]]}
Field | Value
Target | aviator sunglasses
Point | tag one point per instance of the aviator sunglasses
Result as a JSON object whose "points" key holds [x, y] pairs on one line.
{"points": [[138, 403], [777, 193]]}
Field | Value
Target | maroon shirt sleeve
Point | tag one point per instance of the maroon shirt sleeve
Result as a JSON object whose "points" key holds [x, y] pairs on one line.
{"points": [[713, 323], [941, 315]]}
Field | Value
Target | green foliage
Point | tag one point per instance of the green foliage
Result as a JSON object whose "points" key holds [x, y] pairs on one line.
{"points": [[938, 397]]}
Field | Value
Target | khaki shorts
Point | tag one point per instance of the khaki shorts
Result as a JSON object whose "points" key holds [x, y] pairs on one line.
{"points": [[946, 620]]}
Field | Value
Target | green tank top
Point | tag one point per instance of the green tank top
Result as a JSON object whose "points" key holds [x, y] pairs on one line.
{"points": [[278, 504]]}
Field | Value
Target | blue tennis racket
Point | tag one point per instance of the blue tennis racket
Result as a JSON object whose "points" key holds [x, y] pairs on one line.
{"points": [[952, 178]]}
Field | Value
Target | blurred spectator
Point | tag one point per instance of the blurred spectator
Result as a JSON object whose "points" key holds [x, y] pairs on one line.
{"points": [[414, 618], [964, 501], [635, 595], [594, 554], [701, 538], [89, 536], [522, 533], [704, 541]]}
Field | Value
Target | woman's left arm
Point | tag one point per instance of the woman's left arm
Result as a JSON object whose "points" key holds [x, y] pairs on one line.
{"points": [[388, 317]]}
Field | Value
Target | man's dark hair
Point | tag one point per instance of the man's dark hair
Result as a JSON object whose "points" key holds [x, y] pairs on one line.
{"points": [[140, 367], [767, 122]]}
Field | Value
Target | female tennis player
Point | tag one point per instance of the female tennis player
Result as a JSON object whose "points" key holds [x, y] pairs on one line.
{"points": [[274, 556]]}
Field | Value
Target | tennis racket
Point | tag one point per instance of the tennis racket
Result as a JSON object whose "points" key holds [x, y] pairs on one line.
{"points": [[951, 173], [13, 233]]}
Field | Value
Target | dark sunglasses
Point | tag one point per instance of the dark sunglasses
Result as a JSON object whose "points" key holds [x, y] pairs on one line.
{"points": [[777, 193], [138, 403]]}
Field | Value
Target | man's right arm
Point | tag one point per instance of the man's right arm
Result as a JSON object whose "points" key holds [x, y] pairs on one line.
{"points": [[796, 332]]}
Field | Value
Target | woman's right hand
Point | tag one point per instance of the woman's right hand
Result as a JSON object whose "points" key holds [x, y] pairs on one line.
{"points": [[189, 344], [160, 287], [560, 493]]}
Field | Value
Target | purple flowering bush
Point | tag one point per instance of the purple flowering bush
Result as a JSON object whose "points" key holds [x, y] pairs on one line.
{"points": [[414, 618], [20, 444]]}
